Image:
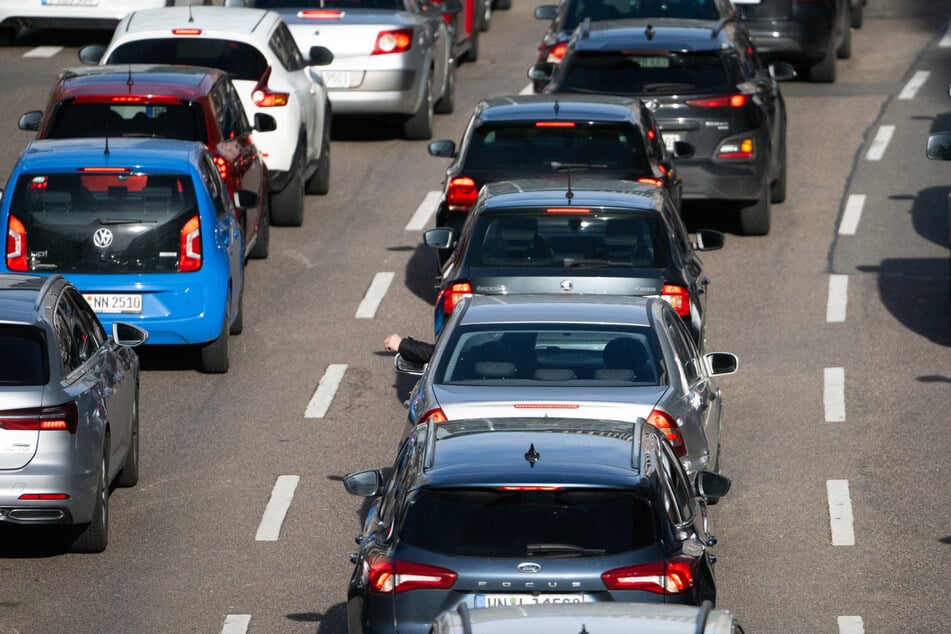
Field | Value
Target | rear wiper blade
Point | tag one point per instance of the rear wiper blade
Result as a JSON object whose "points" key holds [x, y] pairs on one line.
{"points": [[571, 263], [126, 221], [561, 549], [665, 87]]}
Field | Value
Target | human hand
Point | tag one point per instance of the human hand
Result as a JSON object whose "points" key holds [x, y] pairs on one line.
{"points": [[392, 343]]}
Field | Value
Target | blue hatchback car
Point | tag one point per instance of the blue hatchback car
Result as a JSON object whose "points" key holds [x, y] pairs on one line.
{"points": [[144, 228]]}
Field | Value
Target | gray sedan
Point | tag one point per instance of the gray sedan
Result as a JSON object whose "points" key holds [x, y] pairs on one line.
{"points": [[605, 357]]}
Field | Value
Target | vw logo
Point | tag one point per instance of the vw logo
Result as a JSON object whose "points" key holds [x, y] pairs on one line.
{"points": [[528, 566], [102, 238], [566, 285]]}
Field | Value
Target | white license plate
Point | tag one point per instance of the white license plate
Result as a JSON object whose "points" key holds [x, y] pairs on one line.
{"points": [[669, 140], [336, 78], [114, 303], [80, 3], [496, 600]]}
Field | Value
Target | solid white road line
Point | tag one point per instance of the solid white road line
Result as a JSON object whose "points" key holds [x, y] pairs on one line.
{"points": [[320, 401], [275, 512], [43, 51], [852, 214], [833, 396], [946, 40], [838, 298], [914, 85], [880, 143], [840, 513], [375, 294], [527, 90], [236, 624], [424, 212], [851, 625]]}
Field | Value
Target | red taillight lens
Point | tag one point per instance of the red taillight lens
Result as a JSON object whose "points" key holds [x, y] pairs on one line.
{"points": [[554, 124], [320, 14], [567, 210], [529, 488], [651, 181], [398, 41], [44, 496], [727, 101], [668, 426], [557, 52], [742, 149], [263, 97], [678, 297], [16, 245], [461, 193], [434, 416], [673, 576], [392, 576], [63, 417], [189, 246], [222, 168], [450, 296]]}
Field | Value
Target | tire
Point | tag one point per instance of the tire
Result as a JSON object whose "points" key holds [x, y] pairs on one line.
{"points": [[855, 15], [94, 536], [262, 247], [716, 469], [129, 476], [485, 20], [823, 71], [447, 102], [754, 219], [777, 190], [472, 55], [287, 205], [502, 5], [845, 46], [237, 326], [213, 356], [420, 125], [319, 183]]}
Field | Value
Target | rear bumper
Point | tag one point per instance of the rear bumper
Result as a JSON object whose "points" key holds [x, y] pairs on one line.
{"points": [[806, 38], [78, 509], [708, 179], [379, 92]]}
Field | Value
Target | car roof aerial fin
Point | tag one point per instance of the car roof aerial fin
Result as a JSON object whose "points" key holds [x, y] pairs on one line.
{"points": [[532, 455]]}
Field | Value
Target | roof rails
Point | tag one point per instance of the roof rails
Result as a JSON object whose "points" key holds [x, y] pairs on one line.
{"points": [[47, 284], [703, 615]]}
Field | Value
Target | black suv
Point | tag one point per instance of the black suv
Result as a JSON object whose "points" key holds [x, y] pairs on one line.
{"points": [[705, 85], [523, 136], [526, 511]]}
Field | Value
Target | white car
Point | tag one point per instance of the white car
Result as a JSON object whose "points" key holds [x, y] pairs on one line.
{"points": [[268, 70]]}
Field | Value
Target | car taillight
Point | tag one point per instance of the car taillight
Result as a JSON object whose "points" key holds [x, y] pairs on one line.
{"points": [[398, 41], [669, 428], [392, 576], [263, 97], [557, 52], [434, 416], [726, 101], [320, 14], [461, 193], [186, 31], [189, 246], [678, 297], [44, 496], [742, 149], [554, 124], [16, 245], [63, 417], [567, 210], [651, 181], [222, 166], [446, 303], [673, 576]]}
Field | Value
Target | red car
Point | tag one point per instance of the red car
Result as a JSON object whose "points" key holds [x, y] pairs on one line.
{"points": [[181, 102]]}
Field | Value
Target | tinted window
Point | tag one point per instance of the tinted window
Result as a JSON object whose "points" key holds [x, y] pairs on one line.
{"points": [[493, 523], [76, 342], [686, 351], [82, 119], [285, 48], [241, 60], [23, 350], [578, 10], [103, 223], [646, 72]]}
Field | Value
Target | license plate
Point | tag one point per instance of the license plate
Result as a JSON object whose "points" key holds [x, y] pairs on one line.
{"points": [[497, 600], [669, 140], [336, 78], [114, 303], [79, 3]]}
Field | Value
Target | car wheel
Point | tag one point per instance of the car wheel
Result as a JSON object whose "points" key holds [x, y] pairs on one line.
{"points": [[777, 190], [754, 219], [129, 476], [485, 20], [855, 15], [237, 326], [262, 246], [420, 124], [213, 356], [287, 205], [319, 183], [823, 71], [502, 5], [845, 46], [472, 55], [94, 536], [447, 102]]}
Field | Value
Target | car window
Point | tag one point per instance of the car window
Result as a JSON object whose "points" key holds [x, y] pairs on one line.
{"points": [[23, 350], [680, 500], [578, 10], [239, 120], [513, 523], [243, 61], [684, 348], [76, 342], [216, 188], [645, 72], [285, 48], [91, 324], [82, 118]]}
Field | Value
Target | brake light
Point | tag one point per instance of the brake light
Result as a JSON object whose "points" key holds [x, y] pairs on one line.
{"points": [[726, 101], [732, 150], [554, 124], [546, 406], [189, 246], [105, 170], [529, 488], [134, 99], [567, 210], [650, 181], [673, 576], [63, 417], [320, 14], [263, 97], [186, 31], [450, 296], [434, 416], [398, 41], [678, 297], [557, 52], [461, 193], [222, 168], [392, 576], [44, 496], [668, 426], [16, 245]]}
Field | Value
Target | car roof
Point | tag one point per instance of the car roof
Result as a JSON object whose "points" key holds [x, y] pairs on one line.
{"points": [[661, 34], [539, 308], [591, 192], [173, 80], [19, 294], [147, 153], [232, 22], [609, 108]]}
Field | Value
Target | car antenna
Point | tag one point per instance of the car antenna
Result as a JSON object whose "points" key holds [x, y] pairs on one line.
{"points": [[649, 32], [129, 81], [532, 455], [568, 168], [190, 18]]}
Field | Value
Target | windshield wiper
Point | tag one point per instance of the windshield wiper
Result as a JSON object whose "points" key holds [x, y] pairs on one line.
{"points": [[126, 221], [665, 87], [561, 549], [571, 263]]}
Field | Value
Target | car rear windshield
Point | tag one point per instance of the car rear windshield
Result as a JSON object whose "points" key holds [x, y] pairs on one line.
{"points": [[598, 10], [242, 61], [535, 239], [23, 350], [501, 523], [551, 354], [103, 222], [81, 118], [645, 72], [531, 146]]}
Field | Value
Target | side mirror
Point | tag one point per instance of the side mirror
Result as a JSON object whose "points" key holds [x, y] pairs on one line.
{"points": [[683, 149], [439, 238], [709, 240], [30, 121], [450, 7], [939, 146], [541, 72], [546, 12], [264, 122], [128, 335], [408, 367], [782, 71], [443, 148], [245, 199], [712, 485], [320, 56], [364, 483], [91, 54], [721, 363]]}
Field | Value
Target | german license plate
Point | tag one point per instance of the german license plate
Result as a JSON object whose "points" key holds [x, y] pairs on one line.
{"points": [[78, 3], [669, 140], [496, 600], [336, 78], [114, 303]]}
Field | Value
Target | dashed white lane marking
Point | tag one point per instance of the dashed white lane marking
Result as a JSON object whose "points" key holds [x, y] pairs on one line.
{"points": [[833, 395], [324, 395], [880, 143], [281, 496], [914, 85], [851, 625], [838, 298], [236, 624], [840, 513], [527, 90], [374, 295], [43, 51], [852, 214], [946, 40], [424, 212]]}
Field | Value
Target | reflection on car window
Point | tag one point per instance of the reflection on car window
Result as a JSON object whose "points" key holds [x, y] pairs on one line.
{"points": [[242, 61], [23, 351], [83, 119], [597, 10], [647, 72]]}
